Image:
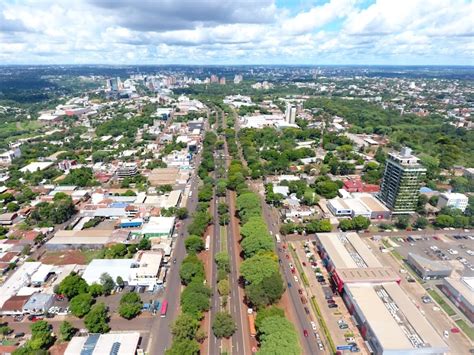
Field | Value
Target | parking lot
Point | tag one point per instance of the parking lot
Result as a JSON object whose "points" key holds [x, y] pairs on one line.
{"points": [[457, 250], [331, 307]]}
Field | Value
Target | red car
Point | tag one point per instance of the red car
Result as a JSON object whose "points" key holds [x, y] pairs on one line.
{"points": [[300, 291], [35, 318], [305, 332], [287, 256], [292, 271], [455, 330], [304, 264]]}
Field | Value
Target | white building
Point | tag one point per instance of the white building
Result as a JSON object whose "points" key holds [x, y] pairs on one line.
{"points": [[290, 113], [7, 157], [119, 343], [453, 200]]}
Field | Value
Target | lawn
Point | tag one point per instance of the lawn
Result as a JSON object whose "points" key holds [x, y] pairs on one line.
{"points": [[439, 300], [466, 328]]}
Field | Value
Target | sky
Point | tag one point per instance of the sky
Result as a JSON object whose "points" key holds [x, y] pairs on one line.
{"points": [[363, 32]]}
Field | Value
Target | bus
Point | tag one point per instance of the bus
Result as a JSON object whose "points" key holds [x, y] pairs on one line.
{"points": [[208, 242], [253, 331], [277, 238], [164, 308]]}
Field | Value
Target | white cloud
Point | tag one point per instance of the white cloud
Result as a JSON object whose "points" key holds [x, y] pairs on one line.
{"points": [[337, 31]]}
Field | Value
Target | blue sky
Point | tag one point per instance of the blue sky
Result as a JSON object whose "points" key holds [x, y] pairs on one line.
{"points": [[413, 32]]}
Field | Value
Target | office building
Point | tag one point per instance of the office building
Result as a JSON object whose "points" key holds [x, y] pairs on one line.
{"points": [[460, 291], [401, 182], [290, 113], [126, 170], [453, 200]]}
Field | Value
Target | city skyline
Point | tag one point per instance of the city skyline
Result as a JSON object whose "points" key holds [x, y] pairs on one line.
{"points": [[339, 32]]}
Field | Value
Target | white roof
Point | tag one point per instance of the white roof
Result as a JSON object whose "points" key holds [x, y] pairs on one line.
{"points": [[35, 166], [102, 344], [162, 225], [41, 274], [284, 190], [21, 277], [113, 267], [454, 196], [374, 300]]}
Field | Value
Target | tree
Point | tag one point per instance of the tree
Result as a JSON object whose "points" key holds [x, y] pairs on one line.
{"points": [[96, 321], [191, 268], [421, 222], [223, 261], [194, 244], [41, 335], [72, 285], [256, 244], [66, 331], [361, 223], [268, 312], [119, 281], [184, 346], [402, 222], [256, 268], [268, 291], [195, 299], [278, 336], [328, 189], [5, 330], [130, 305], [12, 207], [182, 213], [346, 224], [443, 221], [96, 290], [223, 287], [107, 283], [80, 305], [223, 325], [184, 327], [144, 244]]}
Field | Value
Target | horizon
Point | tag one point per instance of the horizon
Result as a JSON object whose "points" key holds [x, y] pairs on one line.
{"points": [[212, 32]]}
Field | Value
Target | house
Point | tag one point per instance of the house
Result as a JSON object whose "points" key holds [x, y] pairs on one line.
{"points": [[14, 305], [38, 303], [7, 219]]}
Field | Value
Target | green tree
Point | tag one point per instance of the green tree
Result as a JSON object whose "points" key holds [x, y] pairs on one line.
{"points": [[421, 222], [443, 221], [119, 281], [66, 331], [223, 325], [268, 312], [107, 283], [184, 346], [144, 244], [402, 222], [96, 321], [41, 335], [223, 287], [223, 261], [278, 336], [72, 285], [182, 213], [12, 207], [258, 267], [194, 244], [191, 268], [195, 299], [130, 305], [80, 305], [184, 327], [96, 290]]}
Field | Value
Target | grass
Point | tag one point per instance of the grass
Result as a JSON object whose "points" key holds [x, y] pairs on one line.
{"points": [[223, 234], [466, 328], [322, 324], [441, 302], [90, 255]]}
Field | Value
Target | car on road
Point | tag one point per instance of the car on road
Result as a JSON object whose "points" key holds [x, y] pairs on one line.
{"points": [[332, 305], [331, 301], [343, 326], [305, 332], [313, 325], [426, 299], [350, 340], [18, 318], [291, 266], [304, 263], [303, 299], [306, 310], [300, 291], [455, 330], [34, 318], [287, 256], [289, 284], [296, 279], [19, 335], [446, 334]]}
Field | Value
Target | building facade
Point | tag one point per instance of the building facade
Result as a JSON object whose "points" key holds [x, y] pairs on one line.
{"points": [[401, 182], [453, 200]]}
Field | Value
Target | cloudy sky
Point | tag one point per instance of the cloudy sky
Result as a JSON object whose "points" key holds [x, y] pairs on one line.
{"points": [[237, 32]]}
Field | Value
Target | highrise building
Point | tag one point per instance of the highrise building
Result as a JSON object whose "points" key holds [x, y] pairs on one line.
{"points": [[290, 113], [222, 81], [238, 78], [401, 182], [214, 79]]}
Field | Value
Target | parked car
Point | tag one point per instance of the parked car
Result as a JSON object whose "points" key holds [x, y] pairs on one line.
{"points": [[19, 335], [313, 325], [306, 310], [332, 305], [305, 332], [300, 291], [303, 299], [18, 318], [331, 301], [343, 326]]}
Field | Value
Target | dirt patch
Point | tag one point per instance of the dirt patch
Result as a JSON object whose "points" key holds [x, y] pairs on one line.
{"points": [[64, 258], [58, 349]]}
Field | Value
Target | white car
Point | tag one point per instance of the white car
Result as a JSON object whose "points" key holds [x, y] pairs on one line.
{"points": [[296, 279], [446, 334], [313, 325], [470, 252], [350, 340], [453, 252]]}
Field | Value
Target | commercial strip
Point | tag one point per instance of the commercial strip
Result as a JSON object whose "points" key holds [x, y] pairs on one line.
{"points": [[460, 290]]}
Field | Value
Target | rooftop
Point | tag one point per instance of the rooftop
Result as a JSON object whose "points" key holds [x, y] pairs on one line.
{"points": [[395, 320], [348, 251], [117, 343]]}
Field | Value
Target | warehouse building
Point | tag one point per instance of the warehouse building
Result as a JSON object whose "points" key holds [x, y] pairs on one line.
{"points": [[349, 260], [428, 269], [390, 322], [161, 227]]}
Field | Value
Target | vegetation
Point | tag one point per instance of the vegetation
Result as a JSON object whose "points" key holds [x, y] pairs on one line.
{"points": [[130, 305], [96, 321], [223, 325], [72, 285]]}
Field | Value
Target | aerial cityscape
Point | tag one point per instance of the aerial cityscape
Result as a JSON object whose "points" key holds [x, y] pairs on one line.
{"points": [[233, 177]]}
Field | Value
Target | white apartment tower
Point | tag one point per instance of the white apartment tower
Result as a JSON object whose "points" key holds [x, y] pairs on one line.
{"points": [[290, 113]]}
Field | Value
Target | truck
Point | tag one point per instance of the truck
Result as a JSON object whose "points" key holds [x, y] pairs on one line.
{"points": [[208, 242]]}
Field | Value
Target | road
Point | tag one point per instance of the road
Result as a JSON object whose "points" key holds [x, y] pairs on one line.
{"points": [[213, 342], [160, 338], [308, 343]]}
